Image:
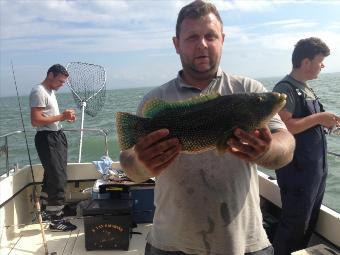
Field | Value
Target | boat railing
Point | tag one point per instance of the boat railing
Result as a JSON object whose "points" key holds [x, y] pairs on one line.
{"points": [[4, 148]]}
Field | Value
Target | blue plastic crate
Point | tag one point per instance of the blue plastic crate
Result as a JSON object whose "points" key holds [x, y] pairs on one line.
{"points": [[143, 203]]}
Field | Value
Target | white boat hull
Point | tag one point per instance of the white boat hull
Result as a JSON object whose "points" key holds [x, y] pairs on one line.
{"points": [[17, 210]]}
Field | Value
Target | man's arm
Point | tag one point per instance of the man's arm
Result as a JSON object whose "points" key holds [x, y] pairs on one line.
{"points": [[298, 125], [150, 156], [268, 150], [38, 118]]}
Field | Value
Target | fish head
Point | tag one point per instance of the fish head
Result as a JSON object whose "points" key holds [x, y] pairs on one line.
{"points": [[265, 106], [249, 111], [256, 109]]}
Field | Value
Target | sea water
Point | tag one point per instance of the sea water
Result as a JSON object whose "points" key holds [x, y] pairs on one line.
{"points": [[327, 87]]}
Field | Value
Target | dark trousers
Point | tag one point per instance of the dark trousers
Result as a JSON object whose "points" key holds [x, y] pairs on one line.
{"points": [[150, 250], [299, 215], [52, 150]]}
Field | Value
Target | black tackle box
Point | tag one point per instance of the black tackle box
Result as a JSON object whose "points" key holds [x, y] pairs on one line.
{"points": [[107, 224]]}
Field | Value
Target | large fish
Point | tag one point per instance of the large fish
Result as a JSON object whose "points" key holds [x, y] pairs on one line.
{"points": [[200, 123]]}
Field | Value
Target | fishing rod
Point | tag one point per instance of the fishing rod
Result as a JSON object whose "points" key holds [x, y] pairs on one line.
{"points": [[35, 197], [333, 153]]}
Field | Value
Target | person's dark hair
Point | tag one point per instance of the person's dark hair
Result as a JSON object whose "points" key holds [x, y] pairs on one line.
{"points": [[308, 48], [195, 10], [58, 69]]}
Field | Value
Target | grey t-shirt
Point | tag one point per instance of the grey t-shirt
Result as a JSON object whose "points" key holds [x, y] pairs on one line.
{"points": [[207, 203], [43, 97], [293, 92]]}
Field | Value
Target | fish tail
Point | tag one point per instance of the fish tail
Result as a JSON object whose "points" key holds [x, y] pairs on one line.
{"points": [[127, 129]]}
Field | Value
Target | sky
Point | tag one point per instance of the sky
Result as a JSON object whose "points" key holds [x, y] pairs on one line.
{"points": [[132, 39]]}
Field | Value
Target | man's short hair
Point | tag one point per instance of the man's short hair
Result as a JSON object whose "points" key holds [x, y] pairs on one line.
{"points": [[58, 69], [195, 10], [308, 48]]}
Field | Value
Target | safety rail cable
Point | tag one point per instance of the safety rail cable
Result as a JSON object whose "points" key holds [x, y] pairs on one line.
{"points": [[4, 149]]}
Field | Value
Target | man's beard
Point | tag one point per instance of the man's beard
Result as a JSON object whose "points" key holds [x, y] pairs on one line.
{"points": [[197, 74]]}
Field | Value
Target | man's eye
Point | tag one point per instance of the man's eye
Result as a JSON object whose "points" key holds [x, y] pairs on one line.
{"points": [[192, 38], [210, 37]]}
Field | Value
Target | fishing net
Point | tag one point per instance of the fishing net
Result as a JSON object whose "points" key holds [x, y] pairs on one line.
{"points": [[88, 85]]}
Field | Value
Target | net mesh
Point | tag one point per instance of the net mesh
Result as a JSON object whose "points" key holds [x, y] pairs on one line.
{"points": [[87, 83]]}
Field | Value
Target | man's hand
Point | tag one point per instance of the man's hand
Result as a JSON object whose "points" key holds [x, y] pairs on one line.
{"points": [[150, 156], [270, 150], [329, 120], [155, 152], [69, 115], [250, 146]]}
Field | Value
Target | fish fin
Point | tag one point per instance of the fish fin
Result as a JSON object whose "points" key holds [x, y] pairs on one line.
{"points": [[156, 107], [127, 131], [153, 107], [221, 144]]}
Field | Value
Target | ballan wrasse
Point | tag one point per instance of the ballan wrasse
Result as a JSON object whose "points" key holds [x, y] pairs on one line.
{"points": [[200, 123]]}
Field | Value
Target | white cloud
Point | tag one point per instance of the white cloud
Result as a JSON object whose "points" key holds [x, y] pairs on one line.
{"points": [[243, 5], [59, 30], [334, 26], [291, 23], [114, 25], [277, 41], [86, 24]]}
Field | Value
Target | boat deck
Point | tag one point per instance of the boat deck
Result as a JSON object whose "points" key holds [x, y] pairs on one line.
{"points": [[68, 243], [73, 243]]}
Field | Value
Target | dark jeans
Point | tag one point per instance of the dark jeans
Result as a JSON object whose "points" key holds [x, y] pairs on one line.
{"points": [[300, 210], [150, 250], [52, 150]]}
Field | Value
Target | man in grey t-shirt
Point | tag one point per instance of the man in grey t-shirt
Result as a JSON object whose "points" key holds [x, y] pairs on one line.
{"points": [[51, 144], [206, 203]]}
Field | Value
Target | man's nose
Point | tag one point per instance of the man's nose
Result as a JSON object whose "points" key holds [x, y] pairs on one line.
{"points": [[202, 42]]}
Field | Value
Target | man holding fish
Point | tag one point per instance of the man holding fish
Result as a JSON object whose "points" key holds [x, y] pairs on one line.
{"points": [[206, 202]]}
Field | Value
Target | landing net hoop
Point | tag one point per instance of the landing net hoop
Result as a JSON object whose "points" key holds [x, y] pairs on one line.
{"points": [[88, 85]]}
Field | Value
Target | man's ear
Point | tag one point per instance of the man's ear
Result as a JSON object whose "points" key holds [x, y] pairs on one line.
{"points": [[50, 75], [176, 43], [305, 62]]}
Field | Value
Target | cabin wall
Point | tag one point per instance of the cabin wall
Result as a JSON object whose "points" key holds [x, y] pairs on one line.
{"points": [[13, 216]]}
